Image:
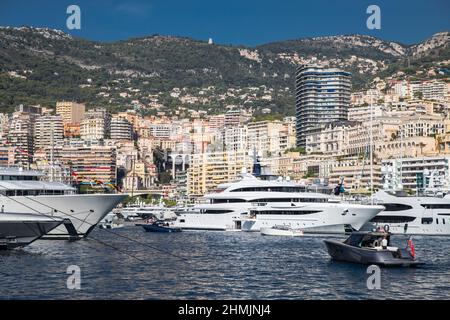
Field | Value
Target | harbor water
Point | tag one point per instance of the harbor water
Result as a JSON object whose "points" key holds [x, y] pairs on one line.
{"points": [[212, 265]]}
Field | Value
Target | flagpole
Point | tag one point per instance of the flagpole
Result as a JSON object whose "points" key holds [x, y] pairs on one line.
{"points": [[371, 148]]}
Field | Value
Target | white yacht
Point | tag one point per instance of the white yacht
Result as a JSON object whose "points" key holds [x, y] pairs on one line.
{"points": [[143, 211], [251, 204], [23, 191], [411, 215]]}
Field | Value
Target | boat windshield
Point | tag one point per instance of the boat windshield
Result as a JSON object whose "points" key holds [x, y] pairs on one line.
{"points": [[366, 240]]}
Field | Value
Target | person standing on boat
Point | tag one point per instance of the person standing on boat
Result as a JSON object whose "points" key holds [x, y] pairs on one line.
{"points": [[384, 242]]}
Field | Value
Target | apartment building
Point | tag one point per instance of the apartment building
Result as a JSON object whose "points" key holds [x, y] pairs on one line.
{"points": [[207, 170], [71, 112], [93, 128], [89, 163], [48, 131], [121, 128]]}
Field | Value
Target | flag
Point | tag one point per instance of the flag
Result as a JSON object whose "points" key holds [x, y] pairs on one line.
{"points": [[114, 186], [411, 247], [23, 152], [99, 183]]}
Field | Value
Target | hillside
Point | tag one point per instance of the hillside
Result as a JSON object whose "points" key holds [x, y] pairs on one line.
{"points": [[40, 66]]}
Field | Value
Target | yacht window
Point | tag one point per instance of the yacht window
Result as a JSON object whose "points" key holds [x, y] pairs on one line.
{"points": [[215, 211], [437, 221], [272, 189], [392, 219], [436, 205], [286, 212], [396, 207], [227, 200], [290, 200], [182, 221], [427, 220]]}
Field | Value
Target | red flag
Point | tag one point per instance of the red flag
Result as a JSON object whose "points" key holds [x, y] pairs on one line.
{"points": [[23, 152], [411, 247]]}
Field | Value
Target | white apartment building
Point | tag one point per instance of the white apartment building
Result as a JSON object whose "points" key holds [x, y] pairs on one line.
{"points": [[264, 136], [121, 129], [362, 112], [236, 138], [402, 89], [161, 130], [391, 135], [48, 131], [20, 136], [415, 173], [422, 125], [93, 129], [331, 140], [431, 90]]}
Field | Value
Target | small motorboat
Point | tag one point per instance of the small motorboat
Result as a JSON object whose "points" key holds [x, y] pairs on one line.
{"points": [[365, 247], [110, 221], [158, 226], [18, 230], [281, 231], [110, 225]]}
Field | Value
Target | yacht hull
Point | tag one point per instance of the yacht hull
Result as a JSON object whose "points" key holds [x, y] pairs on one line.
{"points": [[19, 230], [332, 219], [84, 211]]}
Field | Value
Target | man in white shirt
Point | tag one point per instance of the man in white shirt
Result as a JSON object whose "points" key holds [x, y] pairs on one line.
{"points": [[384, 243]]}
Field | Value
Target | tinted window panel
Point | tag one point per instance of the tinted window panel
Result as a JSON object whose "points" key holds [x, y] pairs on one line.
{"points": [[393, 219], [396, 207]]}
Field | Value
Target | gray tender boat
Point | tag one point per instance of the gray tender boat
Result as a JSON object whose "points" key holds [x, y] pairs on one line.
{"points": [[365, 248], [18, 230]]}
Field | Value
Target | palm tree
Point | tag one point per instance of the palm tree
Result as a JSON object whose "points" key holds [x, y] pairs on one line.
{"points": [[438, 143], [421, 145]]}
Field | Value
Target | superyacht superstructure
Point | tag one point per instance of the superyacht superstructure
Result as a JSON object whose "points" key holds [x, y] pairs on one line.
{"points": [[427, 212], [250, 204], [411, 214], [24, 191]]}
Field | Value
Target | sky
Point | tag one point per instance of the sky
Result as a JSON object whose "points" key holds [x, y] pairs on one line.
{"points": [[236, 22]]}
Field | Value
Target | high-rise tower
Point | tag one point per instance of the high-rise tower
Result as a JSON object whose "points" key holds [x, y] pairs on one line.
{"points": [[322, 97]]}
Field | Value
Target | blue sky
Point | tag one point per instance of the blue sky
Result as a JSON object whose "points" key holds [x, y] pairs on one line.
{"points": [[247, 22]]}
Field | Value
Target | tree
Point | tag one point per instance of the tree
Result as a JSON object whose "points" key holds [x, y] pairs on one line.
{"points": [[418, 95]]}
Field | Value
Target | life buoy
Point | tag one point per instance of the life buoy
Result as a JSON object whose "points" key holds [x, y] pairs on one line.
{"points": [[376, 243], [386, 227]]}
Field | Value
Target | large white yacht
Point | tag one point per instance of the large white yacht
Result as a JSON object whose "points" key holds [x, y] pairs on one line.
{"points": [[250, 204], [411, 214], [23, 191]]}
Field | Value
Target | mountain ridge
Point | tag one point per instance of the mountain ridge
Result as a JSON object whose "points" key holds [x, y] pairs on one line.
{"points": [[42, 65]]}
